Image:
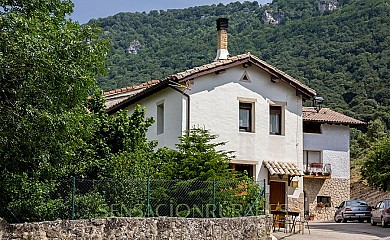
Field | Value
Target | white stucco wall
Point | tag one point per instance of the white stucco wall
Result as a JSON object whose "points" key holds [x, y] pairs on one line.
{"points": [[215, 106], [334, 144], [174, 116]]}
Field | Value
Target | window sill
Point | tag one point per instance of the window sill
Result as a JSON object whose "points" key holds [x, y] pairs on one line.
{"points": [[277, 135], [243, 132]]}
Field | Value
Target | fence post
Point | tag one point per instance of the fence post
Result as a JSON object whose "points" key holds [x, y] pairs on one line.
{"points": [[73, 193], [264, 195], [214, 207], [148, 197]]}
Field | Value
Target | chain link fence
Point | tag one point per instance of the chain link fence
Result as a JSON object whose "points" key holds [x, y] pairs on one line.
{"points": [[84, 199]]}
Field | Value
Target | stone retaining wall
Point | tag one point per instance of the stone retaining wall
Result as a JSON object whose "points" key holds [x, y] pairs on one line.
{"points": [[141, 228], [370, 194]]}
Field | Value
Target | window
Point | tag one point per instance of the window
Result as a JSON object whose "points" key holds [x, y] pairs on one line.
{"points": [[160, 118], [311, 157], [246, 169], [245, 117], [311, 127], [323, 201], [275, 120]]}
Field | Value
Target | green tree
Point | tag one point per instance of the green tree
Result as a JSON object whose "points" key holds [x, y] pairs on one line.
{"points": [[48, 68], [199, 157], [117, 146], [376, 168]]}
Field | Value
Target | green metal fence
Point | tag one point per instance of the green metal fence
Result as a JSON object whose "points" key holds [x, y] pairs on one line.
{"points": [[83, 199]]}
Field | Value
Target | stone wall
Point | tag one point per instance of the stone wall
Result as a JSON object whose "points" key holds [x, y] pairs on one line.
{"points": [[296, 203], [338, 189], [369, 194], [141, 228]]}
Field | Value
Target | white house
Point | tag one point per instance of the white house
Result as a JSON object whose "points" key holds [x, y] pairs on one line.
{"points": [[253, 106], [326, 160]]}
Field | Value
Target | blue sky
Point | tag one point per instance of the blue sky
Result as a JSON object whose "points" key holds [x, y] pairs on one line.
{"points": [[84, 10]]}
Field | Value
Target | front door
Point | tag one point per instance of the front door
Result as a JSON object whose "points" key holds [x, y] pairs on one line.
{"points": [[277, 194]]}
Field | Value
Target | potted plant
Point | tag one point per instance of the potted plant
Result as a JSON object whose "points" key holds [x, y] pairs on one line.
{"points": [[321, 205]]}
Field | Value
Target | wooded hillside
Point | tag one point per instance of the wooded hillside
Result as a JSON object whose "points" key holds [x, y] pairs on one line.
{"points": [[344, 53]]}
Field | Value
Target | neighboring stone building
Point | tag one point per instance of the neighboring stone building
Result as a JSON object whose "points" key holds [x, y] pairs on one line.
{"points": [[326, 162], [251, 105]]}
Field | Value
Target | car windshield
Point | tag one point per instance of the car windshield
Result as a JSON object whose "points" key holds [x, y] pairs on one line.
{"points": [[356, 203]]}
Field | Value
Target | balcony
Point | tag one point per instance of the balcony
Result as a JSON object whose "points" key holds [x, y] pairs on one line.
{"points": [[317, 170]]}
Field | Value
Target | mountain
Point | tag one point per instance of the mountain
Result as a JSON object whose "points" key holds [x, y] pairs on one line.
{"points": [[340, 48]]}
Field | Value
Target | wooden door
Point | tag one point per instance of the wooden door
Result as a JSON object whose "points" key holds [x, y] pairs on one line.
{"points": [[277, 194]]}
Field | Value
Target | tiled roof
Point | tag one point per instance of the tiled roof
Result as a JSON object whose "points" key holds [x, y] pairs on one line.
{"points": [[131, 88], [116, 96], [119, 97], [197, 71], [282, 168], [326, 115]]}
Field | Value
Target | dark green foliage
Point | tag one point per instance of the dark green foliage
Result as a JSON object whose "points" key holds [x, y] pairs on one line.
{"points": [[376, 168], [371, 154], [48, 68], [198, 157], [343, 54]]}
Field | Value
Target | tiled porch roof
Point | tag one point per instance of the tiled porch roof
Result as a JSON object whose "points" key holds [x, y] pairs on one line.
{"points": [[282, 168]]}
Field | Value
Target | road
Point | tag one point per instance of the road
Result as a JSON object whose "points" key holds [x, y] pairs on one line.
{"points": [[332, 230]]}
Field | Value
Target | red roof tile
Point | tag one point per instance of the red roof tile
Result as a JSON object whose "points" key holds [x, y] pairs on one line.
{"points": [[206, 69], [131, 88], [326, 115], [195, 72]]}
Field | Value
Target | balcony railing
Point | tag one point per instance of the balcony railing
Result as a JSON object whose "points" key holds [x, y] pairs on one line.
{"points": [[317, 170]]}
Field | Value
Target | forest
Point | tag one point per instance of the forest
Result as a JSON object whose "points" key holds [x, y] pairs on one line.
{"points": [[344, 53]]}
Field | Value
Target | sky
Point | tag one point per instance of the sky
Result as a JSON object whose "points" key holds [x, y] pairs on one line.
{"points": [[85, 10]]}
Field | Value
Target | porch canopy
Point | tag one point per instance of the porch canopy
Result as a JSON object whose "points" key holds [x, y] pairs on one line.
{"points": [[282, 168]]}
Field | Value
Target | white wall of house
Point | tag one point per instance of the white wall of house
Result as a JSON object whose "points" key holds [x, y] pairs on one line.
{"points": [[215, 106], [334, 144], [215, 102], [174, 115]]}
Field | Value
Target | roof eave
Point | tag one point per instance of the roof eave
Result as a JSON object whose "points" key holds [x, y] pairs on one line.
{"points": [[356, 124], [147, 92], [307, 93]]}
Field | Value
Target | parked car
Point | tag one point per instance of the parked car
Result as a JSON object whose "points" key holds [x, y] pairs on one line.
{"points": [[353, 210], [381, 213]]}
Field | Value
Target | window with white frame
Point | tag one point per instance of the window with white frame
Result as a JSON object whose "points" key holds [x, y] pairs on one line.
{"points": [[275, 120], [310, 158], [246, 117]]}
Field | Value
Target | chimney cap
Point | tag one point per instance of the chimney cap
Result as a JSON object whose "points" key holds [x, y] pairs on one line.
{"points": [[222, 24]]}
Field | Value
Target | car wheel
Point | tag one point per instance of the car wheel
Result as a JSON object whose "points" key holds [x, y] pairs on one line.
{"points": [[383, 223], [336, 220], [344, 220], [373, 223], [361, 220]]}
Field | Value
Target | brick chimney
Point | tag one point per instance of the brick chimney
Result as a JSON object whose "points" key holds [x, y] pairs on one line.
{"points": [[222, 51]]}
